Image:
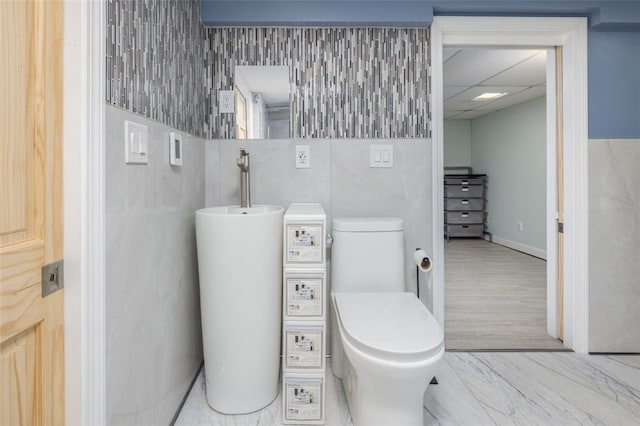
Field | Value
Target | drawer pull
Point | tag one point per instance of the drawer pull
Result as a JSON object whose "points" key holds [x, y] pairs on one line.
{"points": [[465, 226], [465, 201], [465, 189], [465, 214], [465, 182]]}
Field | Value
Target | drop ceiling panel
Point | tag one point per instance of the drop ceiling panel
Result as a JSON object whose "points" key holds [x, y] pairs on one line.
{"points": [[472, 66], [448, 52], [451, 114], [469, 115], [532, 72], [450, 91]]}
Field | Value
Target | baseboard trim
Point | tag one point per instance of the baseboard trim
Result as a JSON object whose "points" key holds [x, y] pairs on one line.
{"points": [[531, 251]]}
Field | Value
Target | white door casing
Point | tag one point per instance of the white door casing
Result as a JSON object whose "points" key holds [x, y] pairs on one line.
{"points": [[538, 32], [84, 240]]}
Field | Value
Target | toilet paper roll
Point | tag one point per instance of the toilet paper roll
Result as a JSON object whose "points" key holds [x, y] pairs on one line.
{"points": [[422, 260]]}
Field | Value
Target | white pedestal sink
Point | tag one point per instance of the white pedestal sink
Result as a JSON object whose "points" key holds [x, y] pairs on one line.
{"points": [[240, 265]]}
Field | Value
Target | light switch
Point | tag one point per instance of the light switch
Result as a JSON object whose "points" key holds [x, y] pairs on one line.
{"points": [[381, 156], [136, 143]]}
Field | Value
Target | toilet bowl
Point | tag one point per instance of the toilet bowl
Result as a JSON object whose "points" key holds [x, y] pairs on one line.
{"points": [[392, 346], [385, 345]]}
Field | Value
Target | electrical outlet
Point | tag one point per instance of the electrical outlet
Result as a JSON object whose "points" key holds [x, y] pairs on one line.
{"points": [[519, 226], [226, 101], [303, 157]]}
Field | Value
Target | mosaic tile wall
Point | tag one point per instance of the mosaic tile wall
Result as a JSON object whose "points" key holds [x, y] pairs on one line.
{"points": [[163, 64], [155, 62], [346, 83]]}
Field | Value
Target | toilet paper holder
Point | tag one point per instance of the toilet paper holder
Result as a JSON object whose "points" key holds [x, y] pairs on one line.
{"points": [[422, 260], [423, 263]]}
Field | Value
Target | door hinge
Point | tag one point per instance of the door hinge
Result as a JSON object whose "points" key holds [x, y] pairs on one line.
{"points": [[52, 277], [560, 227]]}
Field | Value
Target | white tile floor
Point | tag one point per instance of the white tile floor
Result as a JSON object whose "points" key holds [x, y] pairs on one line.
{"points": [[489, 388]]}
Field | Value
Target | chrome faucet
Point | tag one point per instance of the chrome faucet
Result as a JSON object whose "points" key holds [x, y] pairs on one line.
{"points": [[245, 187]]}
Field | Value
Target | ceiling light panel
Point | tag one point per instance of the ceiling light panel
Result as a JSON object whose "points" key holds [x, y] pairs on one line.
{"points": [[489, 96], [464, 101], [520, 97]]}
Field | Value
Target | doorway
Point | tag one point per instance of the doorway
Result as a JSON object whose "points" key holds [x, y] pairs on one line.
{"points": [[496, 247], [570, 34]]}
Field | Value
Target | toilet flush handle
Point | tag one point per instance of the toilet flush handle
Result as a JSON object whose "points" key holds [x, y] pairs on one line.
{"points": [[329, 239]]}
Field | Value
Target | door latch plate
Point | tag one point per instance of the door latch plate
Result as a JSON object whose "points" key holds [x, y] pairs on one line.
{"points": [[52, 277]]}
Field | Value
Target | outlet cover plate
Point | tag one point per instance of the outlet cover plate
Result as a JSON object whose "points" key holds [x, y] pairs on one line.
{"points": [[303, 157], [226, 101]]}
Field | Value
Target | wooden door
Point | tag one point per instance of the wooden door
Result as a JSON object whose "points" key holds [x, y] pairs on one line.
{"points": [[31, 326], [560, 193]]}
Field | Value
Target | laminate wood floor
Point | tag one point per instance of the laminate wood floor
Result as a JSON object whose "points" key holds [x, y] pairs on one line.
{"points": [[495, 298]]}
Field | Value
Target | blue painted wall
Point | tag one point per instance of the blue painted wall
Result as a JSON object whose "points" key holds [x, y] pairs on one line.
{"points": [[317, 13], [614, 37], [614, 84]]}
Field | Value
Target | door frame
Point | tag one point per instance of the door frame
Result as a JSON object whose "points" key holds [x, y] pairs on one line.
{"points": [[529, 32], [84, 208]]}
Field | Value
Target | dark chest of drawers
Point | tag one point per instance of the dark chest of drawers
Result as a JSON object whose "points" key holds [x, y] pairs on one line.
{"points": [[464, 205]]}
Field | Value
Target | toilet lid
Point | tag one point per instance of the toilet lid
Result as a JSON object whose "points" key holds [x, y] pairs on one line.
{"points": [[392, 326]]}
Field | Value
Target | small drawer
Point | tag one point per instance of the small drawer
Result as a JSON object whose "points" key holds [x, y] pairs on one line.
{"points": [[464, 217], [303, 399], [304, 244], [304, 294], [464, 191], [464, 204], [464, 180], [464, 230], [303, 346]]}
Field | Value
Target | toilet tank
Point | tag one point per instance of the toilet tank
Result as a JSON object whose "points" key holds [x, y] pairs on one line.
{"points": [[367, 255]]}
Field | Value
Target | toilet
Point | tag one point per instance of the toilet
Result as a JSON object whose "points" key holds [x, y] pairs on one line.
{"points": [[386, 346]]}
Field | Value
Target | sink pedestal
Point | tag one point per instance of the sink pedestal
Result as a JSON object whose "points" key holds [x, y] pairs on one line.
{"points": [[240, 267]]}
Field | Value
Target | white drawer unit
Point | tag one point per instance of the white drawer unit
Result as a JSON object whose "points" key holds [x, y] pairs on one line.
{"points": [[303, 346], [303, 294], [304, 306], [303, 399], [304, 235]]}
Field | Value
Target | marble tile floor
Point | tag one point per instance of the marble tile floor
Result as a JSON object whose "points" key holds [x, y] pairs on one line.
{"points": [[488, 388]]}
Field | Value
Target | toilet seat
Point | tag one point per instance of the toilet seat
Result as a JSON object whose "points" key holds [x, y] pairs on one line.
{"points": [[389, 326]]}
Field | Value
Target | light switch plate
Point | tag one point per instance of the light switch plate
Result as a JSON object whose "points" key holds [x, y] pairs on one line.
{"points": [[175, 149], [136, 143], [226, 101], [381, 156]]}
